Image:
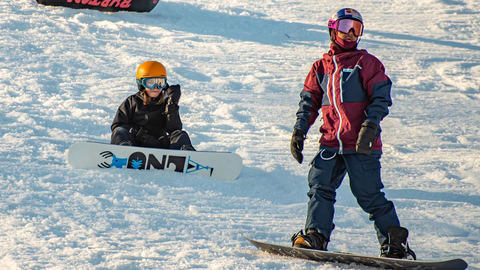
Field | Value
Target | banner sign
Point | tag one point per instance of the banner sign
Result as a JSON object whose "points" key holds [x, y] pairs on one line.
{"points": [[105, 5]]}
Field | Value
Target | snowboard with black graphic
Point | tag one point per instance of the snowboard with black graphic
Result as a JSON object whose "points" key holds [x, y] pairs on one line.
{"points": [[218, 165]]}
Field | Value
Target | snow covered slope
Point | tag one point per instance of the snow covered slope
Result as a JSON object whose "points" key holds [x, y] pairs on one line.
{"points": [[241, 65]]}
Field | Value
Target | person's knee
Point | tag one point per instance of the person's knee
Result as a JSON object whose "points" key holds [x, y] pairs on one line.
{"points": [[179, 138], [120, 130], [323, 191], [121, 135], [178, 133]]}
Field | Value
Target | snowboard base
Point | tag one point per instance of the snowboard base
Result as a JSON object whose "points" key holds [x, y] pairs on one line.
{"points": [[218, 165], [348, 258]]}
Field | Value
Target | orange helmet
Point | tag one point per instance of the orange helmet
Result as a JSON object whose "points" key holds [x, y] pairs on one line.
{"points": [[151, 69]]}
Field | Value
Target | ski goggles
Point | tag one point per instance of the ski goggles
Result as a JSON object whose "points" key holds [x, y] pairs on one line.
{"points": [[151, 83], [345, 25]]}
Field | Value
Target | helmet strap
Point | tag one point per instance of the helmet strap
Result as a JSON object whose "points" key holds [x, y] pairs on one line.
{"points": [[139, 85]]}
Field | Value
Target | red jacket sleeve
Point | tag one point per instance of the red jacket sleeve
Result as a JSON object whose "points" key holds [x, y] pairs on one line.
{"points": [[378, 86]]}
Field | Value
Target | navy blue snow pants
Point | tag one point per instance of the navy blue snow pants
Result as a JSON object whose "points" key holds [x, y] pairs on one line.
{"points": [[325, 177]]}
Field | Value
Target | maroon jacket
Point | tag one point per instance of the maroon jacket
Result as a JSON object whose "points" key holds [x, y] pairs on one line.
{"points": [[349, 88]]}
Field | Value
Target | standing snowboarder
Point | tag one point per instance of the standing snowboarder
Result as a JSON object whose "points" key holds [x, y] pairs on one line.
{"points": [[352, 91], [150, 118]]}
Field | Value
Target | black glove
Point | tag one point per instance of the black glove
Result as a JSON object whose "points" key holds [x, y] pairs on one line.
{"points": [[150, 141], [173, 95], [171, 108], [147, 140], [366, 137], [138, 133], [296, 145], [164, 142], [133, 131]]}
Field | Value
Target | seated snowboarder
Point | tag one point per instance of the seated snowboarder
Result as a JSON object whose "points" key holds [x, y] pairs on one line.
{"points": [[150, 118]]}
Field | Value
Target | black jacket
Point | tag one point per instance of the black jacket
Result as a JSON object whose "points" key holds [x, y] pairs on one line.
{"points": [[157, 119]]}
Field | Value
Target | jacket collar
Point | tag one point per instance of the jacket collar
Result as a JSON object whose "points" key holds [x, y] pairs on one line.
{"points": [[334, 49]]}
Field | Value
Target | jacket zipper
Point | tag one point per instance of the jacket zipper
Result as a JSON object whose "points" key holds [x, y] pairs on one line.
{"points": [[340, 143]]}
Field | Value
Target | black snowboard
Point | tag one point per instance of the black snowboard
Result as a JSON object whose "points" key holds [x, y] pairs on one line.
{"points": [[348, 258]]}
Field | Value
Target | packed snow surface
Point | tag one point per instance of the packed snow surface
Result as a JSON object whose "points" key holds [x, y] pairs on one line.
{"points": [[241, 65]]}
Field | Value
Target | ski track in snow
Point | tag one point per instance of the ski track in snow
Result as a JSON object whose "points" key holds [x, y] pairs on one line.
{"points": [[241, 65]]}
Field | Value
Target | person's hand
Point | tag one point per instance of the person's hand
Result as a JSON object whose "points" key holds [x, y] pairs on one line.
{"points": [[173, 95], [139, 134], [366, 138], [133, 131], [296, 145]]}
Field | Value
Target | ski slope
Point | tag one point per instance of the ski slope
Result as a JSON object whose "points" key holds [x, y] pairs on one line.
{"points": [[241, 65]]}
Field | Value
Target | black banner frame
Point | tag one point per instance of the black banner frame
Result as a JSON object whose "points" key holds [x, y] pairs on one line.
{"points": [[105, 5]]}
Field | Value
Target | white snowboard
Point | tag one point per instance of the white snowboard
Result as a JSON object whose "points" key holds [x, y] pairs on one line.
{"points": [[218, 165]]}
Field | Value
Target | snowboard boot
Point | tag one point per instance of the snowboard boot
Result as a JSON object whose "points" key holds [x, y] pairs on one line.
{"points": [[187, 147], [312, 240], [396, 245]]}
